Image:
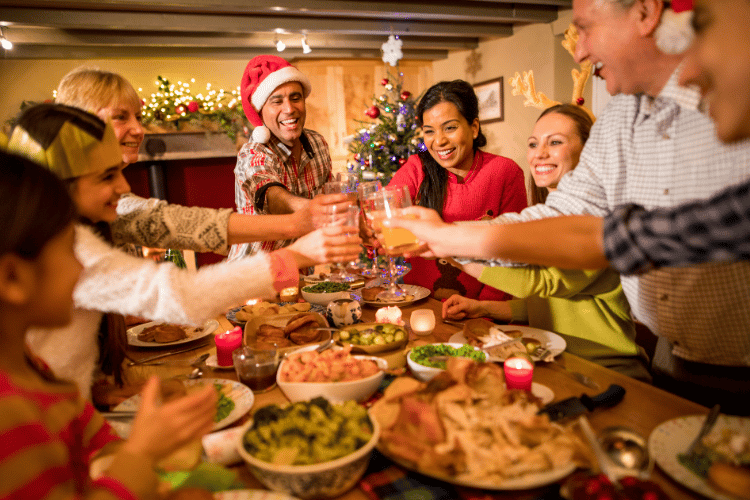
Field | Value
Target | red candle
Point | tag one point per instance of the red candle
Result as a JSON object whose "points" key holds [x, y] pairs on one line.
{"points": [[226, 343], [519, 371]]}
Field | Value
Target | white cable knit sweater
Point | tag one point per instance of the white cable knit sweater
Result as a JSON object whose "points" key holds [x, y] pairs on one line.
{"points": [[113, 281]]}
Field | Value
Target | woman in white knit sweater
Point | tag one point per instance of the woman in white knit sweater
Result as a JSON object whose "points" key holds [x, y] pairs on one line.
{"points": [[84, 151]]}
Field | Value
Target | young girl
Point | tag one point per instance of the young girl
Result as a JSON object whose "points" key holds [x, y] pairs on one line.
{"points": [[83, 151], [50, 434], [587, 308], [457, 179]]}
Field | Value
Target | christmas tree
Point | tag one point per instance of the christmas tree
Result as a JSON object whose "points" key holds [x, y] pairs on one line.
{"points": [[382, 146]]}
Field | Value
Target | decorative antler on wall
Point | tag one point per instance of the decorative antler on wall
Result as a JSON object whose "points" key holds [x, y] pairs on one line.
{"points": [[524, 85]]}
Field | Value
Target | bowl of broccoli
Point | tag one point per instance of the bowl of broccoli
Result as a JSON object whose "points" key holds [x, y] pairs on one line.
{"points": [[309, 449]]}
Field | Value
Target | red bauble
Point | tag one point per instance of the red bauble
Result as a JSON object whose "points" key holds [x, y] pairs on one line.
{"points": [[405, 95], [580, 101], [384, 82], [192, 106], [373, 112], [179, 110], [401, 162]]}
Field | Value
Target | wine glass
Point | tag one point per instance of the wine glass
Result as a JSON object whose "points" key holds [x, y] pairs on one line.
{"points": [[365, 189], [333, 215], [384, 204]]}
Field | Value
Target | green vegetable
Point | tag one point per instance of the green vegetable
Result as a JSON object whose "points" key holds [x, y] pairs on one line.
{"points": [[307, 433], [420, 354], [224, 406], [377, 335], [326, 287]]}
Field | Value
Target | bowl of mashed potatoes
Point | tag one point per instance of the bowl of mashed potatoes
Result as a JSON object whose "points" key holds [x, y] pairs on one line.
{"points": [[310, 449], [334, 374]]}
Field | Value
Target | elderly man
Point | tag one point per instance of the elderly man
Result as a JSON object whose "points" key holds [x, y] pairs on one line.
{"points": [[655, 148], [284, 165]]}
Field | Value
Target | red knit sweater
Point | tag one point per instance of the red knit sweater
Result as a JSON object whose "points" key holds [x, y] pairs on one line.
{"points": [[494, 185]]}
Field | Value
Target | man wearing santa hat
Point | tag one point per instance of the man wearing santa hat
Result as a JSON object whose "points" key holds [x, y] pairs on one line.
{"points": [[284, 165]]}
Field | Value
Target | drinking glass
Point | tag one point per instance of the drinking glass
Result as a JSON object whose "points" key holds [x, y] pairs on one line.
{"points": [[384, 204], [365, 189], [336, 215], [256, 368]]}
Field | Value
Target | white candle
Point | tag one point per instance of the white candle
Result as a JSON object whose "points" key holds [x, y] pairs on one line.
{"points": [[422, 321], [391, 314]]}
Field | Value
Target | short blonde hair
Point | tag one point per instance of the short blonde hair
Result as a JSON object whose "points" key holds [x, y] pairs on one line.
{"points": [[91, 89]]}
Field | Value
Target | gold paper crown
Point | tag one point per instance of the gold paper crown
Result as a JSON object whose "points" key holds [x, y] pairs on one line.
{"points": [[524, 85]]}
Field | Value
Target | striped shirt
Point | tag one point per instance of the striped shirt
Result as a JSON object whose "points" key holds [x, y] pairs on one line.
{"points": [[48, 436], [662, 152], [714, 230], [260, 166]]}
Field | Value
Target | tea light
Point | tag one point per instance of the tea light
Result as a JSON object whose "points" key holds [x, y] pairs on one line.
{"points": [[390, 314], [519, 371], [226, 343], [289, 294], [252, 302], [422, 321]]}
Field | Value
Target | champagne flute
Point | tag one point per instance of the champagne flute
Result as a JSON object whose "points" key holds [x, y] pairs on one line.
{"points": [[365, 189], [387, 203]]}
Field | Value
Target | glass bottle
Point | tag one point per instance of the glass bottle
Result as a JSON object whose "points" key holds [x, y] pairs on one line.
{"points": [[175, 256]]}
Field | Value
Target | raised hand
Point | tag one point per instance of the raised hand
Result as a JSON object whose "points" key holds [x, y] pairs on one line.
{"points": [[327, 244]]}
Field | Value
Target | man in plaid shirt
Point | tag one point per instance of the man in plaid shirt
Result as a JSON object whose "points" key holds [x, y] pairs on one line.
{"points": [[285, 165]]}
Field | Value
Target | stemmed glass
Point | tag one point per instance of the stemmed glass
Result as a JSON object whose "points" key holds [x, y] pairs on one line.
{"points": [[384, 204], [366, 189], [346, 184]]}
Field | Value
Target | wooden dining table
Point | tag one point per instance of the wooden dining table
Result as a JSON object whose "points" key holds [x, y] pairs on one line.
{"points": [[643, 408]]}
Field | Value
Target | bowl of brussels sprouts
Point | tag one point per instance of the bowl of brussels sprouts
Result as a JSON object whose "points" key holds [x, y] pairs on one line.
{"points": [[310, 449], [372, 338]]}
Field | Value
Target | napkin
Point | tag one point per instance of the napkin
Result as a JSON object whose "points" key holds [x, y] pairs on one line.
{"points": [[384, 480], [221, 447]]}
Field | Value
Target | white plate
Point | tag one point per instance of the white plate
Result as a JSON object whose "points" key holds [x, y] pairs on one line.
{"points": [[252, 495], [212, 362], [415, 291], [542, 392], [555, 343], [241, 395], [675, 436], [208, 328]]}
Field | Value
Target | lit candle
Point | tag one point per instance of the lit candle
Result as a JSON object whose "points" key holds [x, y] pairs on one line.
{"points": [[390, 314], [289, 294], [519, 371], [422, 321], [226, 343]]}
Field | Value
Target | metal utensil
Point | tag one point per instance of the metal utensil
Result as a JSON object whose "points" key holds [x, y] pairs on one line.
{"points": [[322, 347], [708, 424], [628, 450], [165, 354], [697, 458]]}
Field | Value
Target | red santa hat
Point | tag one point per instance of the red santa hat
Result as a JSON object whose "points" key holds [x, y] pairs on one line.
{"points": [[262, 76], [674, 33]]}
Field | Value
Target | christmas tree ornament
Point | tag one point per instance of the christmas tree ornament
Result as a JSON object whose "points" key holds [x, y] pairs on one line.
{"points": [[389, 87], [392, 137], [192, 106], [373, 112], [383, 98], [401, 162], [384, 82], [405, 95], [392, 50]]}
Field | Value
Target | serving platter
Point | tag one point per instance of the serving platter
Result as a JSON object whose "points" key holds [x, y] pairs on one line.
{"points": [[193, 334], [280, 320]]}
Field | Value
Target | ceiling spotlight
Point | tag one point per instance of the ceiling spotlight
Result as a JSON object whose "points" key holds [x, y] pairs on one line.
{"points": [[280, 45], [305, 47], [4, 42]]}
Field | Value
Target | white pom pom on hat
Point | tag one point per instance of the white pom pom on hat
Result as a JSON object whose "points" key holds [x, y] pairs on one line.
{"points": [[675, 33], [262, 76]]}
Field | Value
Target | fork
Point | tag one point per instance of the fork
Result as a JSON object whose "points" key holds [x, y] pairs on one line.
{"points": [[695, 457], [543, 353]]}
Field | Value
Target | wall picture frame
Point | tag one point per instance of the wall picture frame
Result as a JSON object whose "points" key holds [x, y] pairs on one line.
{"points": [[490, 97]]}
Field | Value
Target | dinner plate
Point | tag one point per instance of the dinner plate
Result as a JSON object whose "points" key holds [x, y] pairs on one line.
{"points": [[675, 436], [241, 395], [525, 482], [555, 343], [415, 293], [252, 495], [192, 334]]}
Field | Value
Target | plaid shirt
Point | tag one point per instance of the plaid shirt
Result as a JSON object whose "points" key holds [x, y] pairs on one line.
{"points": [[260, 166], [663, 152], [714, 230]]}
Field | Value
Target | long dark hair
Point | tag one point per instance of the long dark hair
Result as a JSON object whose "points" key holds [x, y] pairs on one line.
{"points": [[461, 94], [34, 206], [583, 123]]}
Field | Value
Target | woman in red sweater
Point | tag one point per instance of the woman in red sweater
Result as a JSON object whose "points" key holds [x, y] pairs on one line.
{"points": [[460, 181]]}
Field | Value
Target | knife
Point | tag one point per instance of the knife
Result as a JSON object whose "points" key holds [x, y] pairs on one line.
{"points": [[572, 407], [170, 353]]}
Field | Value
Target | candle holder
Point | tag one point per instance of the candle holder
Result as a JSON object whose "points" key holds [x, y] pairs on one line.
{"points": [[519, 371], [289, 294], [226, 344], [389, 314], [422, 321]]}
